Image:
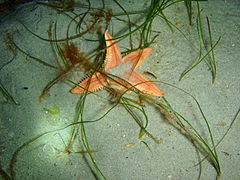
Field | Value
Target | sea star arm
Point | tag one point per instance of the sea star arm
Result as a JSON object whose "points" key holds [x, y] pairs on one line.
{"points": [[91, 84], [143, 84], [113, 54], [137, 57]]}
